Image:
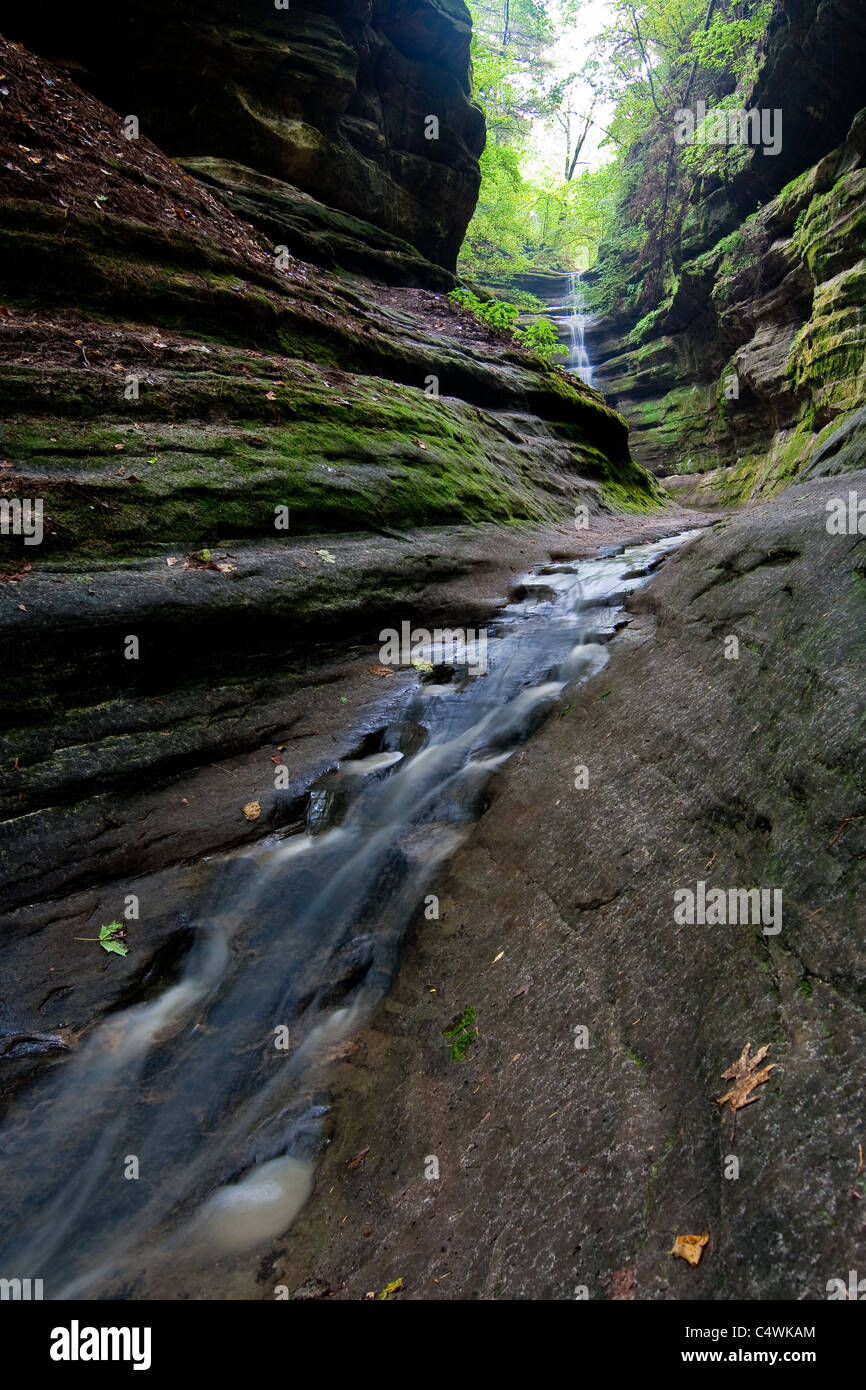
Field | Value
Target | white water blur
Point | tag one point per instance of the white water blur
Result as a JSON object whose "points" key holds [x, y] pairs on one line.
{"points": [[579, 360], [572, 319]]}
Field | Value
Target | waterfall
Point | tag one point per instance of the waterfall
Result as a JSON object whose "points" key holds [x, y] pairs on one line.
{"points": [[570, 319], [578, 360]]}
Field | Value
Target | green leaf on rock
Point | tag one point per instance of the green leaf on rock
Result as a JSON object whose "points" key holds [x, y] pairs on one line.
{"points": [[109, 938]]}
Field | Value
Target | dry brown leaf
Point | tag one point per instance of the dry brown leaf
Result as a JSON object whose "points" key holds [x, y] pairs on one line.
{"points": [[690, 1247], [358, 1159], [380, 670], [252, 810], [745, 1077]]}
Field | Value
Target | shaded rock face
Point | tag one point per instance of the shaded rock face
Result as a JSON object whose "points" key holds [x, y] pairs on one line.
{"points": [[170, 392], [332, 97], [759, 351]]}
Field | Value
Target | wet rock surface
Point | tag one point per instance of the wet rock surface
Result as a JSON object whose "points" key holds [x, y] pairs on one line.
{"points": [[168, 391], [561, 1168], [331, 98], [118, 782]]}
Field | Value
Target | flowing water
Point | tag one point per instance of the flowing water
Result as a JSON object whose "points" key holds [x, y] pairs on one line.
{"points": [[571, 320], [217, 1089]]}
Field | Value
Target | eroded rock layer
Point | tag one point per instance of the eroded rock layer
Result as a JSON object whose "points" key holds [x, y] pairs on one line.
{"points": [[170, 392], [332, 97]]}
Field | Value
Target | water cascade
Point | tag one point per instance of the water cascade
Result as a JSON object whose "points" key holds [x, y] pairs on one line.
{"points": [[570, 320], [578, 361]]}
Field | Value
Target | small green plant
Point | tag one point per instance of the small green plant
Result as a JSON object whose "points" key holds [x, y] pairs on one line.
{"points": [[110, 938], [462, 1033], [542, 339], [495, 312]]}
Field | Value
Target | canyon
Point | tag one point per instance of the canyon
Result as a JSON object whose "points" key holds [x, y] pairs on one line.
{"points": [[269, 261]]}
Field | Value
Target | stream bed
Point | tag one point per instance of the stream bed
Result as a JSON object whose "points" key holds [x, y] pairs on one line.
{"points": [[186, 1128]]}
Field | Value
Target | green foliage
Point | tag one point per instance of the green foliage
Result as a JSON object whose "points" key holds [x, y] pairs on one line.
{"points": [[521, 223], [541, 337], [651, 59], [462, 1033], [110, 938], [730, 43], [494, 312], [668, 55]]}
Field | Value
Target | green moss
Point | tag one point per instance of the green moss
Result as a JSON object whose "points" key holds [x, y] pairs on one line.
{"points": [[462, 1033]]}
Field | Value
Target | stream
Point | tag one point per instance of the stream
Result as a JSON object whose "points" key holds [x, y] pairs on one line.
{"points": [[186, 1128]]}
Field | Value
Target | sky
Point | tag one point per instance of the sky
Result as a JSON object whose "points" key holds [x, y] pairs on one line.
{"points": [[569, 54]]}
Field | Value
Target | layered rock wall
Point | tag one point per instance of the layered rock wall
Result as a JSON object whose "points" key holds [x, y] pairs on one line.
{"points": [[331, 97], [758, 353]]}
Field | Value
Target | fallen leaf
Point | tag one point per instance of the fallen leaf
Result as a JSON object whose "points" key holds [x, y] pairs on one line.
{"points": [[270, 395], [745, 1077], [381, 670], [252, 810], [171, 560], [690, 1247], [497, 957], [110, 938], [327, 557], [358, 1159]]}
